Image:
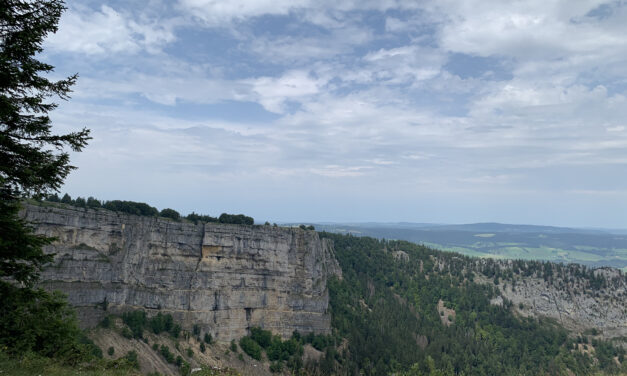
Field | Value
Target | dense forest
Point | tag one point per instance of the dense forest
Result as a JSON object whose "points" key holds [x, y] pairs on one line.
{"points": [[405, 308]]}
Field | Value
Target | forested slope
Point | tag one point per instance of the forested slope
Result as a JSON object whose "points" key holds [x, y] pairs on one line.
{"points": [[401, 307]]}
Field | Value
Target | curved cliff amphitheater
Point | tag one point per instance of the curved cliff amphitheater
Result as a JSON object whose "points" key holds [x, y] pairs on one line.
{"points": [[225, 278]]}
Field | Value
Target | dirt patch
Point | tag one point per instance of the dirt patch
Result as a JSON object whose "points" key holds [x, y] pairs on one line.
{"points": [[585, 348], [447, 315], [311, 354]]}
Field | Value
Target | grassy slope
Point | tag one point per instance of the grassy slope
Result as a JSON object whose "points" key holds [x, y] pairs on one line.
{"points": [[34, 365]]}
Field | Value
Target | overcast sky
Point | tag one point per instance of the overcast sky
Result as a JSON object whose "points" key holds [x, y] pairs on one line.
{"points": [[296, 110]]}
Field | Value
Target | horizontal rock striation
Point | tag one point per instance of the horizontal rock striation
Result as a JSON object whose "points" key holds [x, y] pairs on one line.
{"points": [[225, 278]]}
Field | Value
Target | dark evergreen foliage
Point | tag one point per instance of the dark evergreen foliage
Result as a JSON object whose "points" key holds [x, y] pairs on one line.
{"points": [[33, 162], [170, 213], [131, 207], [386, 309], [236, 219]]}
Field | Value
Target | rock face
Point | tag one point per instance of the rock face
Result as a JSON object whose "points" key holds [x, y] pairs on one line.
{"points": [[225, 278], [604, 309]]}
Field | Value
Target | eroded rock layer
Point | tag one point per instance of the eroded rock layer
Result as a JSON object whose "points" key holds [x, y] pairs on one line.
{"points": [[225, 278]]}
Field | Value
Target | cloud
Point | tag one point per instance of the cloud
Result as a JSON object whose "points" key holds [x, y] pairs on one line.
{"points": [[385, 98], [107, 31], [216, 12], [274, 93]]}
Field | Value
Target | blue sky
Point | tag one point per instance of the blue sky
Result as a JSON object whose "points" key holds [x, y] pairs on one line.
{"points": [[427, 111]]}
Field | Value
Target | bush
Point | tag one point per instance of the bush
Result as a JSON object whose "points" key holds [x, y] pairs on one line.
{"points": [[155, 346], [202, 347], [175, 331], [276, 367], [179, 360], [161, 323], [196, 330], [190, 353], [170, 213], [167, 354], [131, 207], [250, 347], [136, 321], [262, 337], [131, 356], [208, 338], [233, 346], [201, 218], [111, 351], [126, 333], [237, 219], [106, 322], [186, 369]]}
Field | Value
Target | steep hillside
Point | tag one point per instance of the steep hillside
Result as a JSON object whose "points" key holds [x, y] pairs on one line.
{"points": [[402, 306]]}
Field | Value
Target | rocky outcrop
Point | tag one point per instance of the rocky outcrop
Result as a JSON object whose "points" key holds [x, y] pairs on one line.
{"points": [[225, 278], [568, 300], [604, 309]]}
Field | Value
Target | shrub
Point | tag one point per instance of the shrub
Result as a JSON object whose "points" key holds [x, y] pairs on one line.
{"points": [[190, 353], [262, 337], [131, 207], [167, 355], [250, 347], [136, 321], [131, 356], [200, 218], [126, 333], [175, 331], [106, 322], [233, 346], [208, 338], [202, 347], [186, 369], [161, 323], [179, 360], [196, 330], [237, 219], [111, 351], [276, 367], [170, 213]]}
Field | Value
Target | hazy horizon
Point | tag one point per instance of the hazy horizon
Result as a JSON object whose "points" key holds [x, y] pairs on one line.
{"points": [[289, 111]]}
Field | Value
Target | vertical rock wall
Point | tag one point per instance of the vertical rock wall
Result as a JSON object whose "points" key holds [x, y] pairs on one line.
{"points": [[226, 278]]}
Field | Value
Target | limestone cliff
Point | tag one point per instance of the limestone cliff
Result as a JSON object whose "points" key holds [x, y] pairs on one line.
{"points": [[226, 278]]}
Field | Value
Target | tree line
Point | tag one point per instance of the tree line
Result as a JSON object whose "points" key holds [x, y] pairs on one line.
{"points": [[143, 209]]}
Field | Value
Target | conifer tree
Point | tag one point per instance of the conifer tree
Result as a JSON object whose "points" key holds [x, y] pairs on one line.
{"points": [[33, 161]]}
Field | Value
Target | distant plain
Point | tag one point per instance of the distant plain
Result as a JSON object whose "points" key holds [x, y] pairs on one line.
{"points": [[592, 247]]}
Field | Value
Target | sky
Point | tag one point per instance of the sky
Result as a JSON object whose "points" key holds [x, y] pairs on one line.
{"points": [[351, 111]]}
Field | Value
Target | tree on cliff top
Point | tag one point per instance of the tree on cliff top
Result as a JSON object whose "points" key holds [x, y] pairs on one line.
{"points": [[33, 161]]}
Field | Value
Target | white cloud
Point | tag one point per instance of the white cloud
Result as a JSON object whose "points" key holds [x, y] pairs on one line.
{"points": [[273, 93], [371, 96], [220, 12], [107, 31], [530, 29]]}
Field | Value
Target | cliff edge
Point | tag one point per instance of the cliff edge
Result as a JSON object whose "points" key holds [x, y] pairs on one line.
{"points": [[225, 278]]}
